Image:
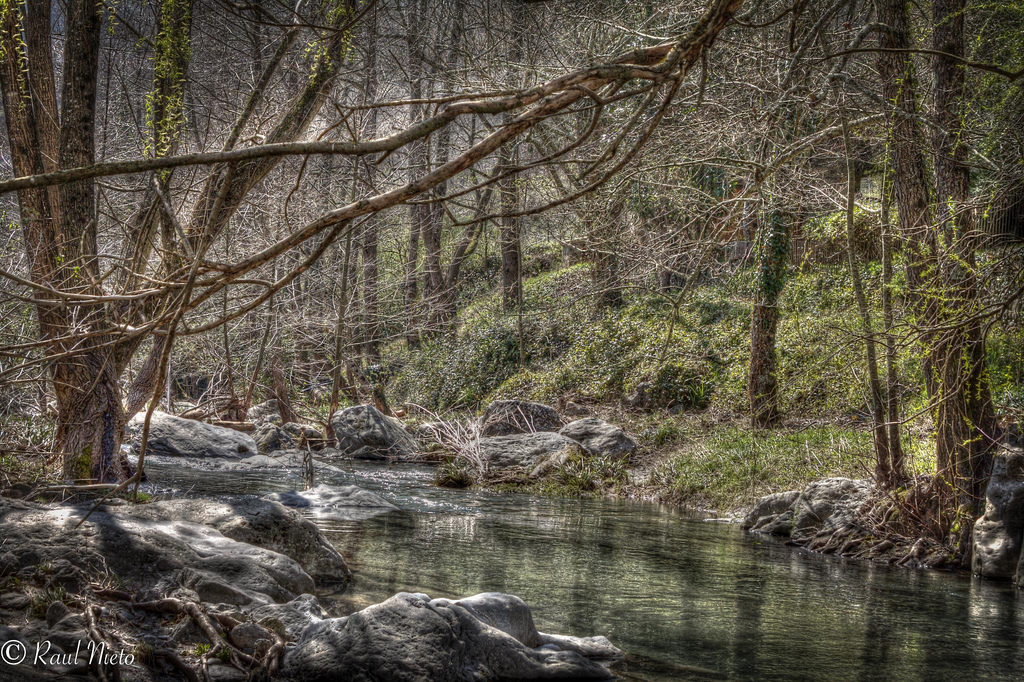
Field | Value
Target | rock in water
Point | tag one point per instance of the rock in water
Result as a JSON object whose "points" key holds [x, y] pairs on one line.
{"points": [[340, 502], [600, 438], [507, 417], [271, 437], [411, 637], [535, 453], [364, 433], [177, 437], [998, 533], [828, 503]]}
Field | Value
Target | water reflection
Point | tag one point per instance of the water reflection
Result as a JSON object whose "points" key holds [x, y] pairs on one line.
{"points": [[688, 599]]}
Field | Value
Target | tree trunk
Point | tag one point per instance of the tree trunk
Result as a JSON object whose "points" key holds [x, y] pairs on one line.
{"points": [[418, 213], [966, 420], [370, 239], [604, 250], [762, 384], [885, 475], [898, 467], [508, 229]]}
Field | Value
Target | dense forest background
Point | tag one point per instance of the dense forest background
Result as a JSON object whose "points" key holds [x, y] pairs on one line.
{"points": [[777, 240]]}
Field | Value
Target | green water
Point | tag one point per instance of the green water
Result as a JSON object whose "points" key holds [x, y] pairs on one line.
{"points": [[685, 598]]}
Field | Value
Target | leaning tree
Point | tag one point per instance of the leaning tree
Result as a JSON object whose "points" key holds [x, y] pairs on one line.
{"points": [[95, 311]]}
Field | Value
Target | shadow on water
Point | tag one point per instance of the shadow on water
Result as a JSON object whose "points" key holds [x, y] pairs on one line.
{"points": [[687, 599]]}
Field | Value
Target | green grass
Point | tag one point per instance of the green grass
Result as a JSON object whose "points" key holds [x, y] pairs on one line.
{"points": [[730, 466]]}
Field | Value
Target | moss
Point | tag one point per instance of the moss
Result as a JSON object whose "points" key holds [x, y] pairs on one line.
{"points": [[81, 465]]}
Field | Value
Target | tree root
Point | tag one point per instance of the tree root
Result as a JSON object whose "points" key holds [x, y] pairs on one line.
{"points": [[218, 642], [106, 672], [175, 662], [266, 666]]}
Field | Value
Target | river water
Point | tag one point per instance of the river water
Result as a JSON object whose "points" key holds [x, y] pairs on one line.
{"points": [[686, 598]]}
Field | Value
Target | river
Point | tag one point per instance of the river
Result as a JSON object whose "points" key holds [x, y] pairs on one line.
{"points": [[686, 598]]}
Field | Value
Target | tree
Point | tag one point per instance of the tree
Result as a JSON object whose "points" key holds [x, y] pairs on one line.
{"points": [[91, 325], [772, 255]]}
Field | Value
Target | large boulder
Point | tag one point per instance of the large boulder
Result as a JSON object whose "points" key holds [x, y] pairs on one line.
{"points": [[506, 417], [999, 532], [533, 453], [155, 556], [261, 522], [176, 437], [364, 433], [411, 637], [600, 438], [828, 503]]}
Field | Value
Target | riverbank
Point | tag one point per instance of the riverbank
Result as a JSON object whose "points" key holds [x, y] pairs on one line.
{"points": [[691, 600], [708, 464]]}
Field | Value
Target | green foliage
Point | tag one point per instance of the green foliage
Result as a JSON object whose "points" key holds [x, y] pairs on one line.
{"points": [[573, 352], [165, 104], [456, 473], [731, 465], [41, 602], [583, 474], [444, 373], [1005, 364]]}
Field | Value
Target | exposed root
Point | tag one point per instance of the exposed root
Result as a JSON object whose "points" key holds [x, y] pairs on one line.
{"points": [[105, 671], [218, 642]]}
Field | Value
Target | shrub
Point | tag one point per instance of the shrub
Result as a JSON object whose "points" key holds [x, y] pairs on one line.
{"points": [[455, 473]]}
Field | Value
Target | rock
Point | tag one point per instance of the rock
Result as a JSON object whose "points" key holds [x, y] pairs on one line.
{"points": [[265, 412], [828, 503], [411, 637], [291, 619], [640, 396], [600, 438], [305, 435], [56, 612], [222, 672], [263, 523], [364, 433], [343, 503], [999, 532], [507, 417], [536, 453], [251, 636], [14, 601], [576, 410], [280, 459], [769, 508], [69, 633], [177, 437], [156, 555], [271, 437]]}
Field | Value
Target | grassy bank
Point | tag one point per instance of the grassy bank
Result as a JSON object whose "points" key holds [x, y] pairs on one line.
{"points": [[690, 362]]}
